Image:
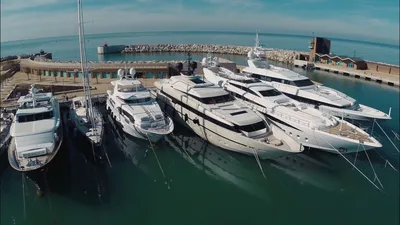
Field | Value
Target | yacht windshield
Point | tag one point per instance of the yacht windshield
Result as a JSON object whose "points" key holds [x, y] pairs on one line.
{"points": [[303, 83], [35, 117], [130, 88], [248, 81], [252, 127], [137, 100], [261, 64], [269, 93], [217, 99]]}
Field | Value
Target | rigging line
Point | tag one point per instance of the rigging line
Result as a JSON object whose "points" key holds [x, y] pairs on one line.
{"points": [[365, 176], [370, 163], [355, 159], [159, 164], [396, 135], [105, 152], [23, 194], [387, 137], [258, 162]]}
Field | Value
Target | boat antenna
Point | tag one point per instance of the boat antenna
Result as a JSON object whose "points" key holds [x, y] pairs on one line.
{"points": [[257, 40]]}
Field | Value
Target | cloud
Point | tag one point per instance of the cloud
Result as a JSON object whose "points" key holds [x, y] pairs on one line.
{"points": [[178, 16], [13, 5]]}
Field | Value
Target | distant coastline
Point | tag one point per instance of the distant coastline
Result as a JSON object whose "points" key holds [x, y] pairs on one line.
{"points": [[65, 48], [245, 33]]}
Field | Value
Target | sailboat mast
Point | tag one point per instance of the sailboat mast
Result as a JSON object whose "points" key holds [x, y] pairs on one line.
{"points": [[84, 67], [257, 40]]}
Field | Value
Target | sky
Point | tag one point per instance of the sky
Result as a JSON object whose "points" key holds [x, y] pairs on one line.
{"points": [[367, 20]]}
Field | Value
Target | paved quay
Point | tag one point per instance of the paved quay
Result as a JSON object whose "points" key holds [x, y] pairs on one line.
{"points": [[390, 79], [99, 88]]}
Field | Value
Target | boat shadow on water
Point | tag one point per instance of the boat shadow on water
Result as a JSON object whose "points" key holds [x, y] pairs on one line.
{"points": [[74, 172]]}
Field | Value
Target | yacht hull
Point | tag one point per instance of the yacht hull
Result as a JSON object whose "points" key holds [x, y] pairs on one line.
{"points": [[215, 134], [44, 159], [133, 130]]}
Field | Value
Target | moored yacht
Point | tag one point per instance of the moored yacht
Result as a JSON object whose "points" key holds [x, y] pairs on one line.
{"points": [[6, 119], [86, 118], [36, 131], [307, 125], [301, 88], [88, 125], [133, 107], [217, 117]]}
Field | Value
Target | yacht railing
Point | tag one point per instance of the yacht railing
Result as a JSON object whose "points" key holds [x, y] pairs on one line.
{"points": [[287, 116]]}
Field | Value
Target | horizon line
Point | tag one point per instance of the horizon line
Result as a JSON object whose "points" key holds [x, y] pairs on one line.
{"points": [[221, 32]]}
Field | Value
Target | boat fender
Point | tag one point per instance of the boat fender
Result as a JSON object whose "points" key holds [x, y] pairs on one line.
{"points": [[196, 121], [186, 117]]}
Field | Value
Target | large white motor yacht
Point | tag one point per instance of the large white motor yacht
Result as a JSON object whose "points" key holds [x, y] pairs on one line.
{"points": [[217, 117], [301, 88], [36, 131], [6, 119], [307, 125], [133, 107]]}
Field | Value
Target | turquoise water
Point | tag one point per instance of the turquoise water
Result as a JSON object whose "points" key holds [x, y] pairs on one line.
{"points": [[66, 48], [174, 185]]}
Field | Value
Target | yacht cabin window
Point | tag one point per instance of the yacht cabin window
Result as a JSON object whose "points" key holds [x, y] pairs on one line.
{"points": [[35, 117], [302, 83], [136, 100], [252, 127], [216, 99], [262, 64], [270, 93]]}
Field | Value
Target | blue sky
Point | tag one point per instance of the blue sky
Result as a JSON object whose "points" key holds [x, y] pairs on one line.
{"points": [[371, 20]]}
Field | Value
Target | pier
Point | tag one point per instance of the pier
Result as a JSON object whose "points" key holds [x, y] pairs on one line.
{"points": [[389, 79]]}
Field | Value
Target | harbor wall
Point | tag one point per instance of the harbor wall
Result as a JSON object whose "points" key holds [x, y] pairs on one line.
{"points": [[285, 56], [110, 49]]}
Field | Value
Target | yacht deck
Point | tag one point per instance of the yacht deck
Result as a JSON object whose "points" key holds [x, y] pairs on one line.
{"points": [[349, 132]]}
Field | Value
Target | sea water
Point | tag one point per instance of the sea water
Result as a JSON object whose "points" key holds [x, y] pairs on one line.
{"points": [[185, 180]]}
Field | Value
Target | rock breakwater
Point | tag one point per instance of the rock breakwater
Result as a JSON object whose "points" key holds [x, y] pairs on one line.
{"points": [[285, 56]]}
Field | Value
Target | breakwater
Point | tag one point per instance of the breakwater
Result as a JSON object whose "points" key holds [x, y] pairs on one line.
{"points": [[285, 56]]}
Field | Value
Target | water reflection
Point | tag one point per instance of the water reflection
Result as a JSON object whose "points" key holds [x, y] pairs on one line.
{"points": [[217, 163], [309, 168]]}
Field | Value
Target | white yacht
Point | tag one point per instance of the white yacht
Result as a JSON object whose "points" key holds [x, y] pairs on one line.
{"points": [[6, 119], [301, 88], [217, 117], [86, 118], [36, 131], [133, 107], [308, 126]]}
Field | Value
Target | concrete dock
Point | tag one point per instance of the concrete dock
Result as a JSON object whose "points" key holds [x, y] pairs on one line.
{"points": [[389, 79]]}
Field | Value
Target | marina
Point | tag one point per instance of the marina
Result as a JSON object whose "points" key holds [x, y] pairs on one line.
{"points": [[172, 140]]}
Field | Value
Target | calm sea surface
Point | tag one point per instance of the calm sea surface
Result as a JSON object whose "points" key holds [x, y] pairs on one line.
{"points": [[187, 181]]}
